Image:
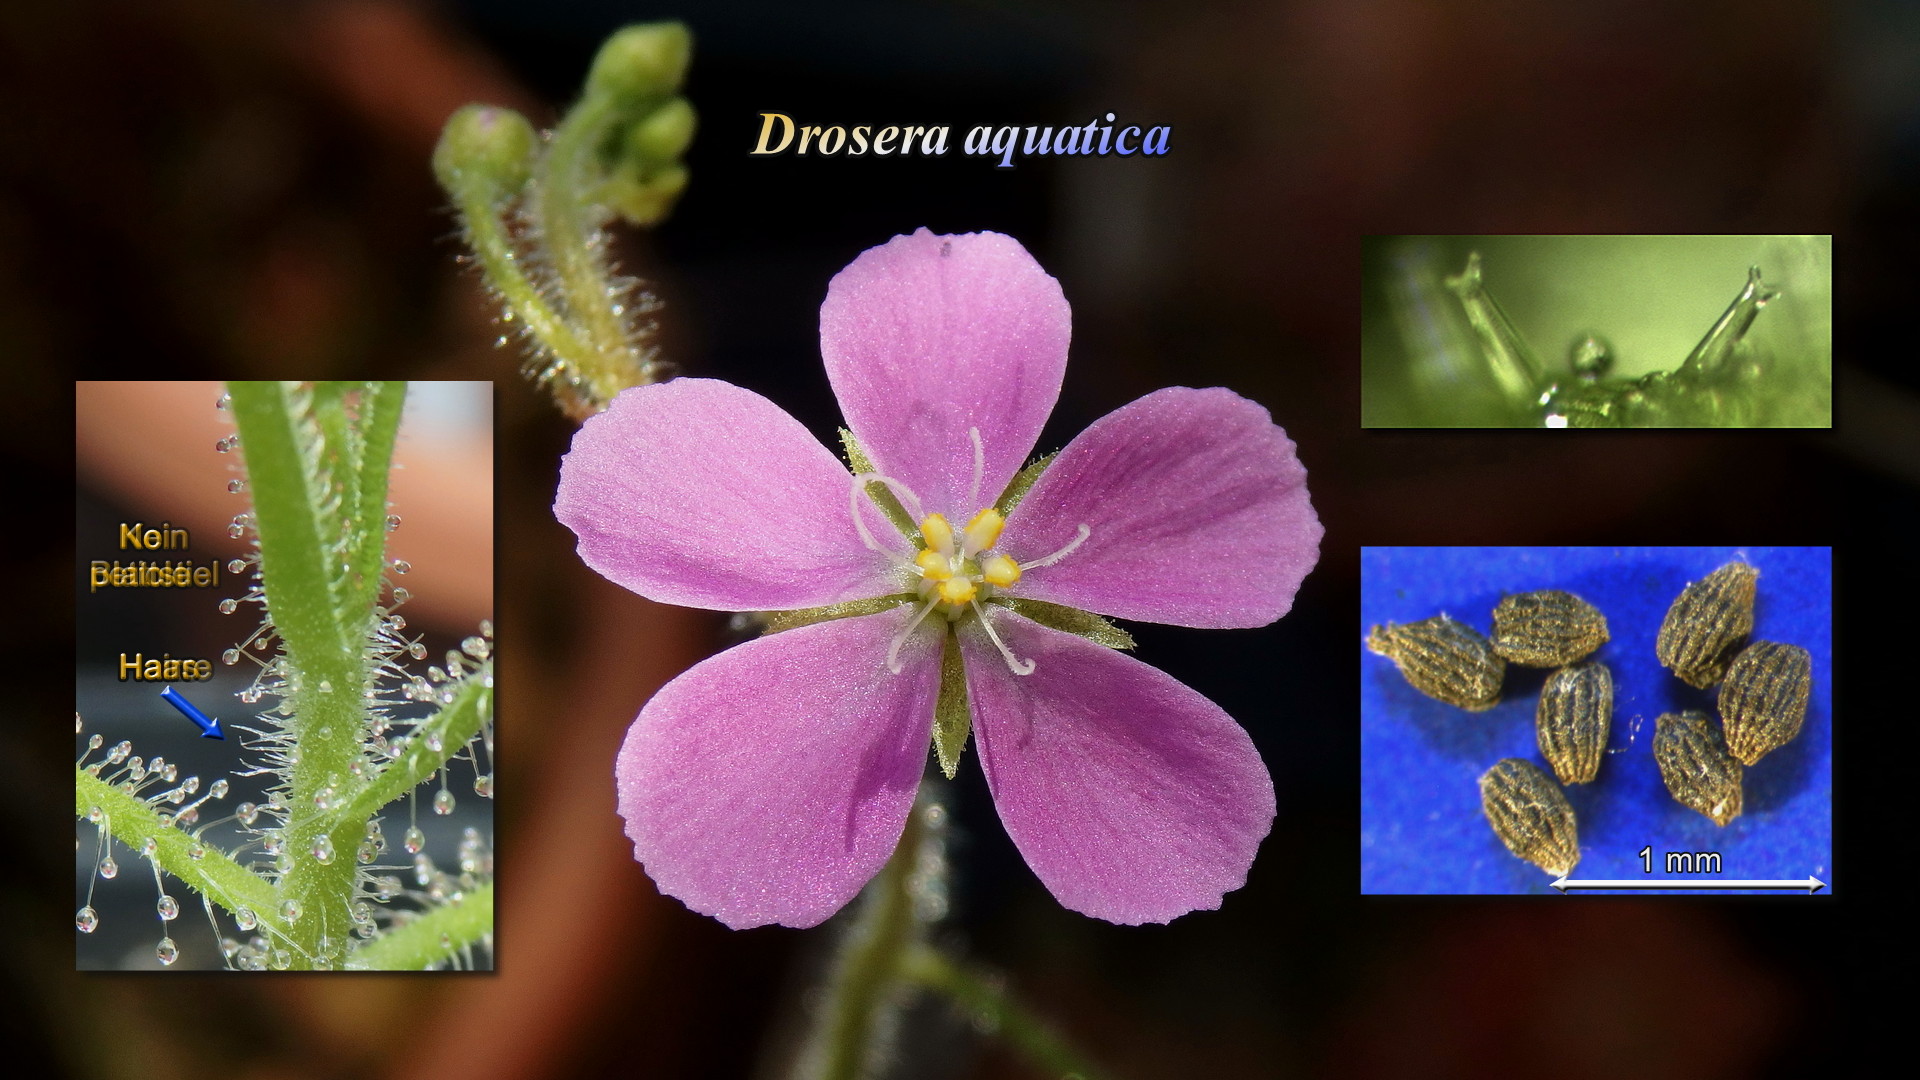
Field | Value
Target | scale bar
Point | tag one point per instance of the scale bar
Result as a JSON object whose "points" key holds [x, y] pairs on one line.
{"points": [[1810, 883]]}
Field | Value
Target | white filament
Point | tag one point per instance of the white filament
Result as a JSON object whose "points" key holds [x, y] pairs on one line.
{"points": [[899, 639], [1014, 663], [1049, 560]]}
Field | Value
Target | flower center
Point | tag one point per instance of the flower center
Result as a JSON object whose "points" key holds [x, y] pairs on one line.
{"points": [[957, 570]]}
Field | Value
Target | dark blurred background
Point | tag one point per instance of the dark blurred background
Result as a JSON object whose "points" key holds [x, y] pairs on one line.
{"points": [[217, 188]]}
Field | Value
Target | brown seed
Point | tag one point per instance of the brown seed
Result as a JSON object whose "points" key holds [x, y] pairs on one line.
{"points": [[1695, 763], [1443, 659], [1547, 628], [1531, 815], [1764, 700], [1574, 717], [1707, 625]]}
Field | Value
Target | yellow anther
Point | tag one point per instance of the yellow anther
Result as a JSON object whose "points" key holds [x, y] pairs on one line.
{"points": [[957, 590], [937, 533], [984, 530], [934, 566], [999, 571]]}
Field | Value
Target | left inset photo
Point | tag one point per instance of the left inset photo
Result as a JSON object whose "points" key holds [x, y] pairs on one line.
{"points": [[283, 676]]}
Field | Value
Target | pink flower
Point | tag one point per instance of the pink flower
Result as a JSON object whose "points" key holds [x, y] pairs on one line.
{"points": [[767, 784]]}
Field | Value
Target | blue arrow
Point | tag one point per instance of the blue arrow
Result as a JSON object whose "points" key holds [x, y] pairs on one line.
{"points": [[209, 729]]}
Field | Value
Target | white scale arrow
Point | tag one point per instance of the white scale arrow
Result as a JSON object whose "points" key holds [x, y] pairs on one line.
{"points": [[1810, 883]]}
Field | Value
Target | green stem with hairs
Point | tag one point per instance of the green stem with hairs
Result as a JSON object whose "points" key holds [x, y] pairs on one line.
{"points": [[430, 939], [864, 991], [309, 597], [131, 820]]}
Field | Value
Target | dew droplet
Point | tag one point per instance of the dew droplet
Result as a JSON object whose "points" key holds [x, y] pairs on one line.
{"points": [[230, 657], [167, 952], [393, 522], [219, 789], [443, 803], [290, 910], [260, 644], [483, 785], [476, 647], [326, 686], [417, 651], [282, 959], [228, 607], [149, 846], [225, 402], [323, 850], [246, 812], [87, 919], [197, 852], [402, 566], [245, 919], [119, 753], [401, 596], [235, 487], [226, 445], [433, 741], [168, 907], [236, 531], [235, 566], [108, 868], [413, 842], [396, 622], [95, 814], [94, 741], [365, 852]]}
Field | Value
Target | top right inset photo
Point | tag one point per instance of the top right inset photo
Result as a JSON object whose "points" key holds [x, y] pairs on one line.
{"points": [[1597, 331]]}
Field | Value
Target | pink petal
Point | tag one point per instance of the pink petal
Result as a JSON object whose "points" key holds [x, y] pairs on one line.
{"points": [[1134, 798], [1198, 510], [926, 337], [769, 783], [699, 493]]}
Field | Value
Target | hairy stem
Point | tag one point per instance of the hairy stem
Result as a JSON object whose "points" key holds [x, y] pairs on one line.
{"points": [[432, 938], [318, 607], [130, 820], [864, 990], [570, 221], [454, 725]]}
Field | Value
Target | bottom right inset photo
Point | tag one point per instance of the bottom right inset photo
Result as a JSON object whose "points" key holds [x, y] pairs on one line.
{"points": [[1593, 720]]}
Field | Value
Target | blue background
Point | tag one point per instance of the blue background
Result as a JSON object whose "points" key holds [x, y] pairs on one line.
{"points": [[1421, 826]]}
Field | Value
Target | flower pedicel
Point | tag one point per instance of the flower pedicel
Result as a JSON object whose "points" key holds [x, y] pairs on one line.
{"points": [[768, 783]]}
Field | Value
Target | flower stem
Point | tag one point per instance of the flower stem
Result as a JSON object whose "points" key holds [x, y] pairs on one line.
{"points": [[318, 611], [863, 995], [1001, 1013]]}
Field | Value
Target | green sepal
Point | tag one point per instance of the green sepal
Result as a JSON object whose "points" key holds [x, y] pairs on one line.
{"points": [[791, 620], [1074, 621], [1021, 483], [952, 720], [882, 495]]}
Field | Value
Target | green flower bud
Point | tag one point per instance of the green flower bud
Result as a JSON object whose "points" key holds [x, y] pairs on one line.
{"points": [[644, 200], [663, 136], [487, 146], [647, 60]]}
